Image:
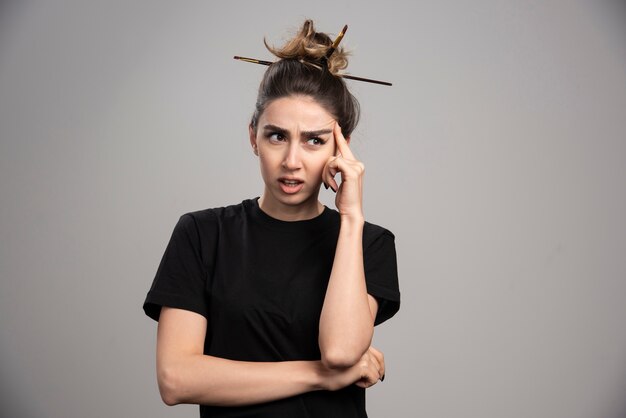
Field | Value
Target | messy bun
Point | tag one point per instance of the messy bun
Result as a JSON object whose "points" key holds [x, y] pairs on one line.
{"points": [[310, 47], [303, 69]]}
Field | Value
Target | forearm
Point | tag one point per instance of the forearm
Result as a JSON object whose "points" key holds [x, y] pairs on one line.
{"points": [[346, 323], [208, 380]]}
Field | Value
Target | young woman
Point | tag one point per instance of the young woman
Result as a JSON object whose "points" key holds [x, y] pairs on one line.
{"points": [[267, 308]]}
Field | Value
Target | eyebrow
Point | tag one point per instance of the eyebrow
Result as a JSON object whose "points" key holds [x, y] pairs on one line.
{"points": [[303, 133]]}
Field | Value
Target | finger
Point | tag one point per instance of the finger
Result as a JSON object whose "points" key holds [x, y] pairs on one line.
{"points": [[370, 374], [370, 379], [377, 368], [374, 364], [332, 184], [342, 144], [365, 384], [381, 360], [377, 358], [333, 167], [375, 351], [349, 168], [329, 172]]}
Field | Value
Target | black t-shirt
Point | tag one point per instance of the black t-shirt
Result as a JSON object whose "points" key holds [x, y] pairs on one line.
{"points": [[261, 282]]}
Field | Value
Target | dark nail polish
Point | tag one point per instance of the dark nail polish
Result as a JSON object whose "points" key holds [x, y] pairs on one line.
{"points": [[325, 185], [382, 378]]}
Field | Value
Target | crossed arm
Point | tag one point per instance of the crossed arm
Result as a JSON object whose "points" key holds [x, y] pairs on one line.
{"points": [[186, 375]]}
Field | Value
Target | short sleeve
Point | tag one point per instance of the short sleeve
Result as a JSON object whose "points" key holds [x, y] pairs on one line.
{"points": [[381, 272], [182, 275]]}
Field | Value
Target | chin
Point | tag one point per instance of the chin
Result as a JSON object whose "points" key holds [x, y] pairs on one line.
{"points": [[297, 199]]}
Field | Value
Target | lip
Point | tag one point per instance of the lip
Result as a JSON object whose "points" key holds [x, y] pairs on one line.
{"points": [[290, 189], [281, 179]]}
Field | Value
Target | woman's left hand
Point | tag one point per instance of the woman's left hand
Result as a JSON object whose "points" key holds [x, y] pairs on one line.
{"points": [[349, 199]]}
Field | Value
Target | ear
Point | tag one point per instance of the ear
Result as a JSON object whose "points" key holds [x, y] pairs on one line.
{"points": [[252, 136]]}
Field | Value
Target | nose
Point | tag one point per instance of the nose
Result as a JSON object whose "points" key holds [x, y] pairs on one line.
{"points": [[292, 159]]}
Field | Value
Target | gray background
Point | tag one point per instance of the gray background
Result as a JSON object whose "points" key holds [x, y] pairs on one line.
{"points": [[498, 159]]}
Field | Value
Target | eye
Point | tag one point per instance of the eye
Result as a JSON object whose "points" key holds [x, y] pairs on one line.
{"points": [[316, 141], [276, 137]]}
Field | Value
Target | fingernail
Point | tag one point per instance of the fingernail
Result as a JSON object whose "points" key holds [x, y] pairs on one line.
{"points": [[333, 189], [382, 378], [325, 185]]}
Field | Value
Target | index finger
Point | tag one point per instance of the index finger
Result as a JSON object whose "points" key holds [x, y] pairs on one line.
{"points": [[344, 149], [377, 353]]}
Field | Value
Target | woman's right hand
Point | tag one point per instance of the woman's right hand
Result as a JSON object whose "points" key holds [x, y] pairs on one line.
{"points": [[368, 371]]}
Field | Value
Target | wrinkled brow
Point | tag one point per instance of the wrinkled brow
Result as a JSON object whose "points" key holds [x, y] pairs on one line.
{"points": [[307, 134]]}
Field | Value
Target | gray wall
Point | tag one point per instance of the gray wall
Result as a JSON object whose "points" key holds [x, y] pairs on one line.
{"points": [[498, 159]]}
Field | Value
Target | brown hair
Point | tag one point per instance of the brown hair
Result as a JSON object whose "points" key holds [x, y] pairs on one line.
{"points": [[304, 69]]}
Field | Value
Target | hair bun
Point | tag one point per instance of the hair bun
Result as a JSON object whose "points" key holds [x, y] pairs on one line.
{"points": [[311, 47]]}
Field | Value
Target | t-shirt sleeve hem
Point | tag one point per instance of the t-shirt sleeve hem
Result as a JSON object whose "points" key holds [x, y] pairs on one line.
{"points": [[388, 302], [383, 292], [156, 300]]}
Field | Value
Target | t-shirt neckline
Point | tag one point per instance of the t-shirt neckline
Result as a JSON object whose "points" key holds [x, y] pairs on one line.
{"points": [[304, 225]]}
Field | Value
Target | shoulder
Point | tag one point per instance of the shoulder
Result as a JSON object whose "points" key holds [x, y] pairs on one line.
{"points": [[202, 231], [211, 218], [373, 232]]}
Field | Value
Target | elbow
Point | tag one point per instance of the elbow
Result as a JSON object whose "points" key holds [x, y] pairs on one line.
{"points": [[169, 386], [340, 358], [342, 353]]}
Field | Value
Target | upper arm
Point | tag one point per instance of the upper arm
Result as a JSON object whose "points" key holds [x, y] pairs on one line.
{"points": [[179, 332], [373, 306]]}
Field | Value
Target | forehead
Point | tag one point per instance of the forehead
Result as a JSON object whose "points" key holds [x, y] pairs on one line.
{"points": [[297, 111]]}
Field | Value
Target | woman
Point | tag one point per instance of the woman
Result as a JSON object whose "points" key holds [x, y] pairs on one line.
{"points": [[267, 308]]}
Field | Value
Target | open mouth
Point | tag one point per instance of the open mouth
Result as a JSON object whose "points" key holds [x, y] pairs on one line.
{"points": [[290, 185]]}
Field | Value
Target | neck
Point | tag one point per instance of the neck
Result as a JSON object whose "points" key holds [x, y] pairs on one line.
{"points": [[302, 212]]}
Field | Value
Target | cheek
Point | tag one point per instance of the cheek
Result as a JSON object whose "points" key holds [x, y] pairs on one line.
{"points": [[319, 163], [264, 163], [270, 163]]}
